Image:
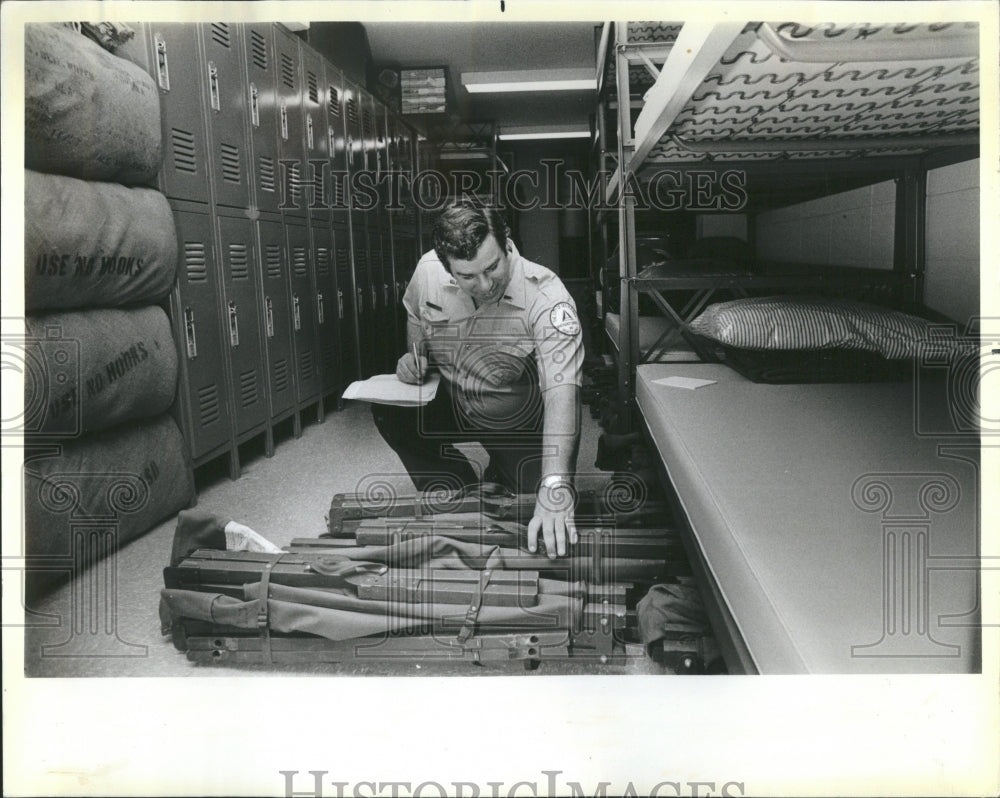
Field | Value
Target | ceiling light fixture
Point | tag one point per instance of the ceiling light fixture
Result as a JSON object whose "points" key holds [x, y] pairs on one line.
{"points": [[529, 80], [523, 134]]}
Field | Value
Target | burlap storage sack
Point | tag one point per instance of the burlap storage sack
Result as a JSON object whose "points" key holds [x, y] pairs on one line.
{"points": [[95, 369], [87, 113], [90, 244], [127, 480]]}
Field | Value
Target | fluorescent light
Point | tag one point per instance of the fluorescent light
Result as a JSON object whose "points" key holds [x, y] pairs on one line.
{"points": [[522, 135], [529, 80]]}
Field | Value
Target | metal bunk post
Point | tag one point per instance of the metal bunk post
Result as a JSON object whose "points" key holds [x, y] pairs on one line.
{"points": [[628, 336]]}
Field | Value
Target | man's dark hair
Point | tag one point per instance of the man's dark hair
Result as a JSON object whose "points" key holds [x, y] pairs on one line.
{"points": [[462, 227]]}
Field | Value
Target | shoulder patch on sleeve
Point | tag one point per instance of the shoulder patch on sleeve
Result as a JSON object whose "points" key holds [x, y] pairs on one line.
{"points": [[564, 319]]}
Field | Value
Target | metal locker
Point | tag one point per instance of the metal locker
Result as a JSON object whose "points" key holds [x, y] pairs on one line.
{"points": [[177, 71], [196, 319], [303, 292], [327, 318], [277, 308], [336, 142], [241, 322], [346, 304], [261, 97], [226, 112], [365, 311], [316, 168], [291, 130], [388, 297]]}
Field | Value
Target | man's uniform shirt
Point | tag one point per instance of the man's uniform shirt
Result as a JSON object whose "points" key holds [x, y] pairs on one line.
{"points": [[497, 361]]}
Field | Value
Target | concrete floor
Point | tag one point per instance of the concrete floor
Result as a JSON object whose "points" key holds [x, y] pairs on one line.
{"points": [[282, 497]]}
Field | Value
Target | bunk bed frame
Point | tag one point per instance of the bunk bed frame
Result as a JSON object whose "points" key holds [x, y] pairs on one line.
{"points": [[892, 100], [891, 117]]}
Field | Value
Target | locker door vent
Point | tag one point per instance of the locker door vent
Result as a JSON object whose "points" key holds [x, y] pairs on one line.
{"points": [[220, 34], [231, 164], [352, 110], [367, 129], [184, 151], [208, 405], [299, 263], [334, 101], [329, 358], [361, 260], [280, 375], [313, 83], [239, 263], [273, 258], [258, 49], [295, 181], [266, 171], [248, 388], [194, 260], [287, 71], [323, 262], [343, 259], [306, 364]]}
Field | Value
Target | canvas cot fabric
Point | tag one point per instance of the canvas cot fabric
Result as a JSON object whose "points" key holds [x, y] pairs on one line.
{"points": [[88, 113], [95, 369], [94, 244], [129, 479]]}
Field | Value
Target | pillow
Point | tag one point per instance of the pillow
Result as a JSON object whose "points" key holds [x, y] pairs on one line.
{"points": [[781, 323], [785, 339]]}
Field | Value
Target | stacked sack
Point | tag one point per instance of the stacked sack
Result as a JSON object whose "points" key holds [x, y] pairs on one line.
{"points": [[100, 255]]}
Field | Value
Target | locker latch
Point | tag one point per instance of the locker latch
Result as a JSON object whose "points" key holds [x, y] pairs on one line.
{"points": [[192, 341], [162, 70], [309, 132], [296, 315], [361, 300], [374, 296], [331, 140], [319, 307], [350, 150], [385, 294], [234, 325], [340, 303], [254, 107], [284, 121], [213, 86], [269, 317]]}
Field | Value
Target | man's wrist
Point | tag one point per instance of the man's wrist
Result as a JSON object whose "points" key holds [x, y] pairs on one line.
{"points": [[555, 480]]}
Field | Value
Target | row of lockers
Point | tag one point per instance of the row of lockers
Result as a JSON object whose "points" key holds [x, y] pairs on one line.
{"points": [[284, 295]]}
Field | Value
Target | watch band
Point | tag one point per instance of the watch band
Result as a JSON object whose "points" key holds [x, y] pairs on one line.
{"points": [[552, 480]]}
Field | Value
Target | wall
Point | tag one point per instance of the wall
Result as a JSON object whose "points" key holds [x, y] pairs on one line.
{"points": [[539, 229], [853, 228], [951, 284]]}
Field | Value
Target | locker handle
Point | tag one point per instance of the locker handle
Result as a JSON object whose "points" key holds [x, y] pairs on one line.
{"points": [[350, 150], [284, 121], [340, 303], [361, 301], [296, 314], [269, 316], [162, 68], [254, 106], [213, 86], [374, 296], [189, 334], [234, 326], [310, 139], [319, 307], [331, 139], [385, 294]]}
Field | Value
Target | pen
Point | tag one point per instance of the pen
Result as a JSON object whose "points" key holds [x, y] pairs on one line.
{"points": [[416, 359]]}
